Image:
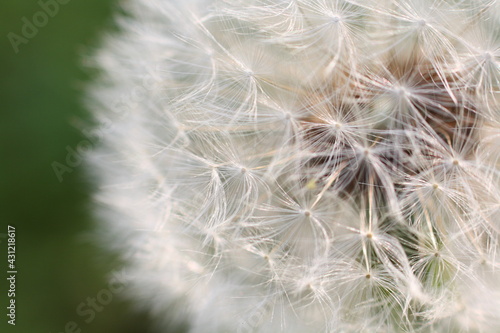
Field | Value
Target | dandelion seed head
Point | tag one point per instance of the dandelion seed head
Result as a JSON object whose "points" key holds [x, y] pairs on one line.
{"points": [[306, 165]]}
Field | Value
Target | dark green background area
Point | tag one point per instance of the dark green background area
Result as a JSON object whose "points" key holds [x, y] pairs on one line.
{"points": [[41, 97]]}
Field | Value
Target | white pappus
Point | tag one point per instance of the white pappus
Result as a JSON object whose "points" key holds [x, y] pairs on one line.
{"points": [[305, 165]]}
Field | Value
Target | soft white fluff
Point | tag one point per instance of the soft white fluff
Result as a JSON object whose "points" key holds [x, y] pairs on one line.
{"points": [[305, 165]]}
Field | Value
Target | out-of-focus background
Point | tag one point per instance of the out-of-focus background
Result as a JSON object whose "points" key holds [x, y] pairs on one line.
{"points": [[42, 82]]}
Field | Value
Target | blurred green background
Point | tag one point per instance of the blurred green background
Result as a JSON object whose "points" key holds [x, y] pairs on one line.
{"points": [[41, 97]]}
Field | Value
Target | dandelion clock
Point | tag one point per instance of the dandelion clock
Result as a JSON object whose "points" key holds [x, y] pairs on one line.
{"points": [[304, 165]]}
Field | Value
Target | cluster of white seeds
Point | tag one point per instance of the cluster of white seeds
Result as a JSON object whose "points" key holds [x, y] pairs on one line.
{"points": [[305, 165]]}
